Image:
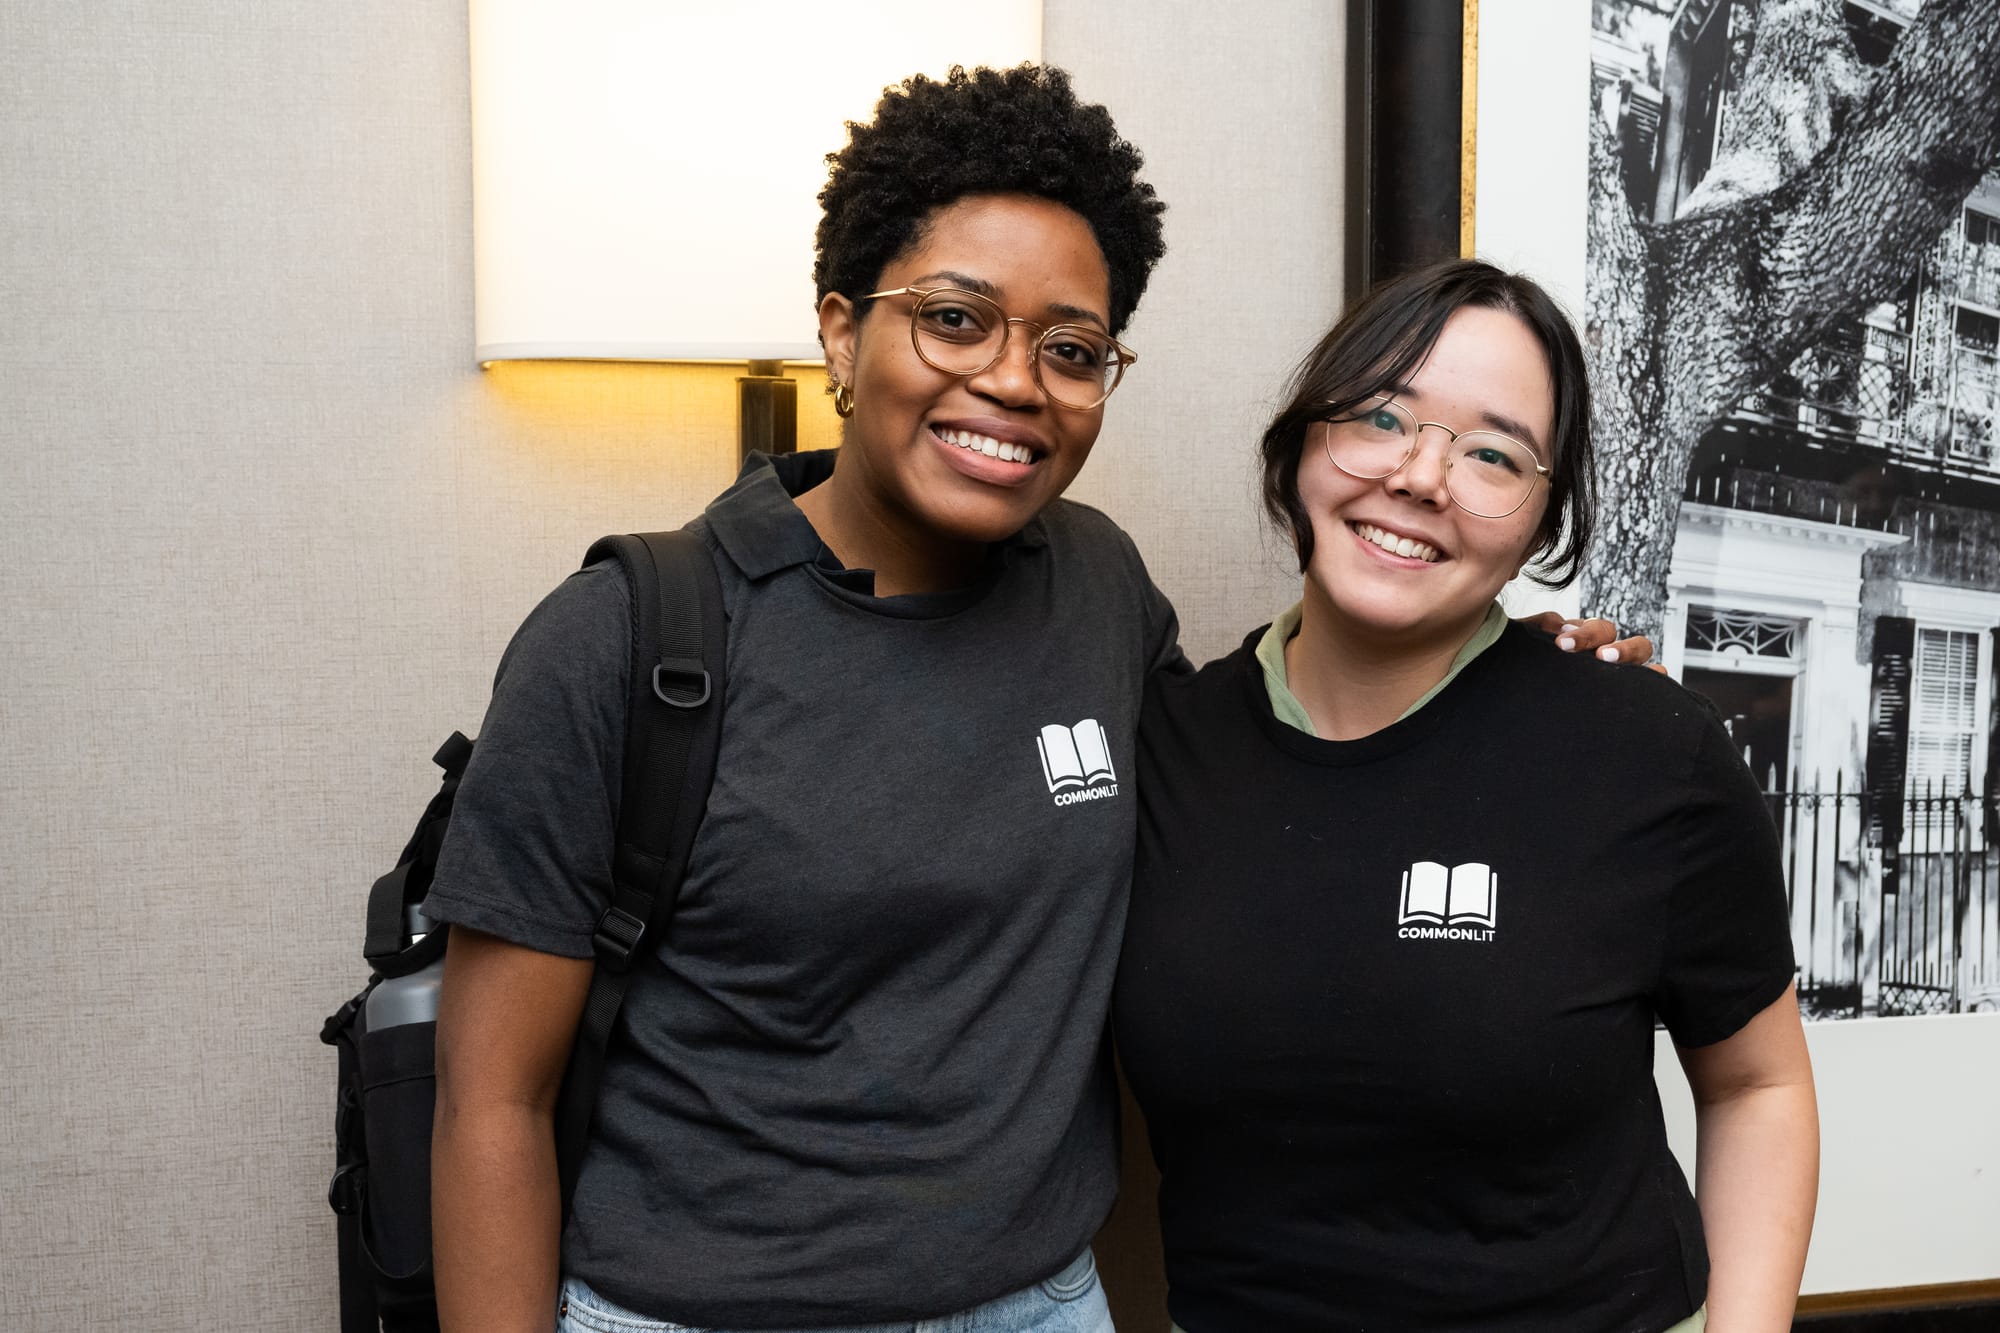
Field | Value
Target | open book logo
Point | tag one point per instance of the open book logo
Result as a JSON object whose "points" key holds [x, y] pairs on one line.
{"points": [[1449, 902], [1076, 761]]}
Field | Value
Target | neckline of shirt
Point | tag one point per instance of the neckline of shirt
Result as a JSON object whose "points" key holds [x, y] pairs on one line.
{"points": [[1414, 726], [1277, 682], [763, 531]]}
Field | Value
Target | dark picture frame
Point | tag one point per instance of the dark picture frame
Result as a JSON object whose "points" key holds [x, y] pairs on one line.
{"points": [[1412, 87]]}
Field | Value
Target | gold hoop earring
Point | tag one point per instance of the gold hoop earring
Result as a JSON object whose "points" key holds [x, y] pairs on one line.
{"points": [[843, 399]]}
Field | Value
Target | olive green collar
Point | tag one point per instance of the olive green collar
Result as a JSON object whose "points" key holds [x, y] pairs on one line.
{"points": [[1285, 705]]}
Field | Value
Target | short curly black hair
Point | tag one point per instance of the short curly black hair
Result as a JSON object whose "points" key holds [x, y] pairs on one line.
{"points": [[990, 131]]}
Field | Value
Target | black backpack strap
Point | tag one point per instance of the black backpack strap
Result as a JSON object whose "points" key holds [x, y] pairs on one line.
{"points": [[673, 725], [408, 884]]}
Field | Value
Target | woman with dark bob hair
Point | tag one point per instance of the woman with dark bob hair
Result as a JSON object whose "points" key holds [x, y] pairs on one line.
{"points": [[1390, 982], [863, 1078]]}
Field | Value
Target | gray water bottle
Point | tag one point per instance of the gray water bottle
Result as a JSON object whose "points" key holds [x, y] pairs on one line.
{"points": [[408, 999]]}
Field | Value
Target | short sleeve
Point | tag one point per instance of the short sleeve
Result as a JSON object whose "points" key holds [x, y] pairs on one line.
{"points": [[1728, 946], [1163, 644], [528, 854], [1163, 625]]}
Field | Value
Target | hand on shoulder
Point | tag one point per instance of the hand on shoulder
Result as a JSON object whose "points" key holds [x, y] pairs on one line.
{"points": [[1595, 635]]}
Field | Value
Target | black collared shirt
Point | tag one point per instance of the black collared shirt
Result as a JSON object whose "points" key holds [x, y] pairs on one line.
{"points": [[762, 531], [863, 1079]]}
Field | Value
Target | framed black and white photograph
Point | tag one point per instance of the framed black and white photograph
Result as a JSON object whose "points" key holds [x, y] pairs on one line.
{"points": [[1794, 291], [1778, 222], [1777, 225]]}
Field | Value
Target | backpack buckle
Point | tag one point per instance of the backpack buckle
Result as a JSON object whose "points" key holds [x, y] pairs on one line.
{"points": [[617, 938], [341, 1019], [684, 669], [343, 1195]]}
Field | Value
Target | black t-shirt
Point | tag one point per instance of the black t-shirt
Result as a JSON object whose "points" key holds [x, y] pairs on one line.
{"points": [[1389, 1003]]}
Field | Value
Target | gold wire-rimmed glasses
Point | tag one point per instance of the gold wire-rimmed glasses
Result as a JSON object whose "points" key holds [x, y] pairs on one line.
{"points": [[1487, 474], [963, 333]]}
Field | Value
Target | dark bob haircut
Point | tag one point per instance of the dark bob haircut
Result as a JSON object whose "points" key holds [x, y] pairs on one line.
{"points": [[991, 131], [1381, 342]]}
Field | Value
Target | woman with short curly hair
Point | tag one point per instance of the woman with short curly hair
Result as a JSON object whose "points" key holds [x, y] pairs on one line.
{"points": [[864, 1079]]}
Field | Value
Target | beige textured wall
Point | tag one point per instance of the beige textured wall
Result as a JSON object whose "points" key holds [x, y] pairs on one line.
{"points": [[264, 529], [1238, 110]]}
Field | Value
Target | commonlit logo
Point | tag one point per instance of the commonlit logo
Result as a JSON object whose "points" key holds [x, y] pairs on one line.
{"points": [[1076, 761], [1440, 902]]}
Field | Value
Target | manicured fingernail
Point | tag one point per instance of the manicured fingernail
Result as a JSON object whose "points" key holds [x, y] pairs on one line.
{"points": [[1568, 628], [1607, 654], [1566, 643]]}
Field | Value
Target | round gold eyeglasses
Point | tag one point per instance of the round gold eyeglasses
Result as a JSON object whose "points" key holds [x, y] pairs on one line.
{"points": [[1487, 474], [963, 333]]}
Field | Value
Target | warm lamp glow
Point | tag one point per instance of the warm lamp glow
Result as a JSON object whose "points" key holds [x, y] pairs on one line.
{"points": [[646, 174]]}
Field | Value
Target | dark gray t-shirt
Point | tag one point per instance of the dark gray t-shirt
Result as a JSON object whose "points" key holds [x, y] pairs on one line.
{"points": [[863, 1077]]}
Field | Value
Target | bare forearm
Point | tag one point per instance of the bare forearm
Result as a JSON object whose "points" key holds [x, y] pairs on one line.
{"points": [[1757, 1179], [495, 1219]]}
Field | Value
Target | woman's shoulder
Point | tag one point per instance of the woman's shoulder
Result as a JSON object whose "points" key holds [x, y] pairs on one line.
{"points": [[593, 604], [589, 601], [1215, 686], [579, 634], [1079, 528], [1587, 698], [1097, 566]]}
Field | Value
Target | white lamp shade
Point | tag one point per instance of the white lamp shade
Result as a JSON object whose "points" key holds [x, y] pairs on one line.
{"points": [[646, 173]]}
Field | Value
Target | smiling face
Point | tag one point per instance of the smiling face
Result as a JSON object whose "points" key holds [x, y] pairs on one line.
{"points": [[942, 461], [1394, 559]]}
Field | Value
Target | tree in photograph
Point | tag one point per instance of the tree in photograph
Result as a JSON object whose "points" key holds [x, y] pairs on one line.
{"points": [[1830, 183]]}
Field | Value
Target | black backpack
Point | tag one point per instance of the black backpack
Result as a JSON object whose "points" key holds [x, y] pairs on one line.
{"points": [[382, 1127]]}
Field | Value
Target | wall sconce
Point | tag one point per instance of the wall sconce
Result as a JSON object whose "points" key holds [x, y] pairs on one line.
{"points": [[646, 172]]}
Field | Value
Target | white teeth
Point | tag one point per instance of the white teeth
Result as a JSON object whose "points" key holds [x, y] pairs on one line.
{"points": [[1403, 546], [986, 444]]}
